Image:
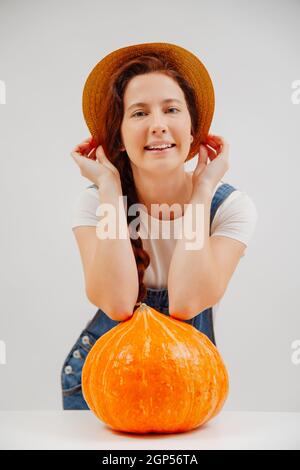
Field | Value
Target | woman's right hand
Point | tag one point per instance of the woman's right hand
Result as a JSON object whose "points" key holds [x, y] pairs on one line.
{"points": [[94, 164]]}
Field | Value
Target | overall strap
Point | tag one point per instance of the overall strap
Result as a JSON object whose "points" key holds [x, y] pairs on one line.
{"points": [[220, 195]]}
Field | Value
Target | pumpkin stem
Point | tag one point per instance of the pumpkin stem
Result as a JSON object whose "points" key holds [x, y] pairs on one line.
{"points": [[143, 306]]}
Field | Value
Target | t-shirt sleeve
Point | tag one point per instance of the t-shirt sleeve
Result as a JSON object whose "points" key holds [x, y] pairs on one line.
{"points": [[236, 218], [85, 208]]}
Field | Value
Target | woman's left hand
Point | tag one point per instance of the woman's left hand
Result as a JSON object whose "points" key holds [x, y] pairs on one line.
{"points": [[205, 175]]}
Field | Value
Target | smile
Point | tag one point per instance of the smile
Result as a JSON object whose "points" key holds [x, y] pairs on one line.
{"points": [[158, 151]]}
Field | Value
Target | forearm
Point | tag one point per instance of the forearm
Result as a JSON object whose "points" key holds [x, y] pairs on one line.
{"points": [[113, 283], [192, 280]]}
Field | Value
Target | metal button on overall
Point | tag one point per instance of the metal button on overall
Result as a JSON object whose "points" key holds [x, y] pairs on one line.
{"points": [[86, 340], [68, 370], [77, 354]]}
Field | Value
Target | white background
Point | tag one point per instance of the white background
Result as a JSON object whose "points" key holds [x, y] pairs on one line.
{"points": [[47, 49]]}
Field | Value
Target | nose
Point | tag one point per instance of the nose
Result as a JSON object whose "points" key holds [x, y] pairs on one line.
{"points": [[158, 123]]}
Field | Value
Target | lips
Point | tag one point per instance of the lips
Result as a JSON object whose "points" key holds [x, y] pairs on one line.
{"points": [[160, 151]]}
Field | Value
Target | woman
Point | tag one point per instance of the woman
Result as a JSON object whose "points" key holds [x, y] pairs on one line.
{"points": [[138, 101]]}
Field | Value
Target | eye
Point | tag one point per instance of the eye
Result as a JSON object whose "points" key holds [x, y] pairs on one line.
{"points": [[174, 108], [139, 112]]}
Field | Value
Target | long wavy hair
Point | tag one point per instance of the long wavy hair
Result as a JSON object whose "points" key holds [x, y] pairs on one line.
{"points": [[114, 110]]}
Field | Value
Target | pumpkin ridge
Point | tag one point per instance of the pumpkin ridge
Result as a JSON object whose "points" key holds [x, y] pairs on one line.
{"points": [[142, 317], [214, 362], [196, 379], [206, 345], [213, 352], [183, 349], [124, 335], [212, 391], [88, 367]]}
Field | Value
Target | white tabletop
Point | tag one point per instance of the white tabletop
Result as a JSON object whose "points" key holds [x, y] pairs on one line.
{"points": [[82, 430]]}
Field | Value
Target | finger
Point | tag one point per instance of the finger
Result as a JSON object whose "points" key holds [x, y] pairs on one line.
{"points": [[216, 140], [101, 157], [99, 153], [222, 154], [221, 149], [203, 153], [211, 147], [212, 143], [75, 156], [202, 159], [212, 153], [84, 144], [84, 149], [92, 154]]}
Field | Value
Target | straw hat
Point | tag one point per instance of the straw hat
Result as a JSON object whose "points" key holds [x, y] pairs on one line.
{"points": [[191, 68]]}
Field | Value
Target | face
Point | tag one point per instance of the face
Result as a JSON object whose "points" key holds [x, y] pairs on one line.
{"points": [[155, 120]]}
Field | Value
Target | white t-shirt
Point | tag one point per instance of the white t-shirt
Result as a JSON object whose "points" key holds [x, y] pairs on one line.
{"points": [[236, 218]]}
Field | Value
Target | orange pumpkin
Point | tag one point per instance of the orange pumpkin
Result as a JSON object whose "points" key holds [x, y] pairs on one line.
{"points": [[154, 374]]}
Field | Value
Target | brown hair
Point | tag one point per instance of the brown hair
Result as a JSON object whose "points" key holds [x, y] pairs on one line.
{"points": [[114, 109]]}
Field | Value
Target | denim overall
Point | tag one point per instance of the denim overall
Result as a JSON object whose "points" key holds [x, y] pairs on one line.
{"points": [[157, 298]]}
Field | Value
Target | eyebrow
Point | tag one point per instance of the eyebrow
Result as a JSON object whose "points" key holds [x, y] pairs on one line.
{"points": [[168, 100]]}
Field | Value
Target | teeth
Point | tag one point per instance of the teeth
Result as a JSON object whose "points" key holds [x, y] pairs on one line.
{"points": [[160, 147]]}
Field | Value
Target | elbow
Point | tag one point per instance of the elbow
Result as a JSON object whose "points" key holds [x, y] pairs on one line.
{"points": [[116, 312], [187, 310], [119, 315], [181, 310]]}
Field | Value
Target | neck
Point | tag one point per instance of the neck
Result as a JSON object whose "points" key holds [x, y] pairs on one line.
{"points": [[174, 187]]}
